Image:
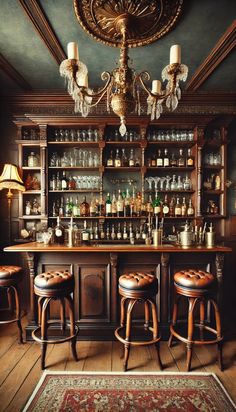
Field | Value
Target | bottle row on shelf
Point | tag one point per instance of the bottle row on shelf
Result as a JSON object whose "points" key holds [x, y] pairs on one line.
{"points": [[123, 205], [59, 182], [75, 135], [170, 135], [75, 158]]}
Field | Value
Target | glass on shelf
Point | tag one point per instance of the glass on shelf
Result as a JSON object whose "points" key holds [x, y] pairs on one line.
{"points": [[33, 160]]}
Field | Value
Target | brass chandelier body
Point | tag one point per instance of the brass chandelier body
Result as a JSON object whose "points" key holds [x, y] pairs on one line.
{"points": [[124, 24]]}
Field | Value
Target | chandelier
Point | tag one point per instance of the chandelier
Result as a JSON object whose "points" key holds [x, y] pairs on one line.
{"points": [[125, 24]]}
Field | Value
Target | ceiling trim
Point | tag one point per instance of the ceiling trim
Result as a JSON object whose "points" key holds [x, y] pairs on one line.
{"points": [[14, 74], [223, 47], [39, 20]]}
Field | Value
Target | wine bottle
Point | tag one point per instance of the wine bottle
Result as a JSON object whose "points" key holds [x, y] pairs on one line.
{"points": [[59, 232], [108, 205]]}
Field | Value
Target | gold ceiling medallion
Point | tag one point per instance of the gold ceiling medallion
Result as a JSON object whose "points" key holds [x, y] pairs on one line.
{"points": [[125, 24], [147, 20]]}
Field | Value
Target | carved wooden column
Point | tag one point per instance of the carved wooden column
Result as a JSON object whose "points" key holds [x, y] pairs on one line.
{"points": [[43, 160], [200, 138], [165, 286], [31, 262], [219, 262], [114, 287]]}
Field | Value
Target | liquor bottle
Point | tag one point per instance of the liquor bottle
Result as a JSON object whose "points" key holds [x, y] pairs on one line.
{"points": [[157, 204], [70, 233], [190, 159], [124, 159], [58, 182], [131, 232], [108, 232], [138, 233], [120, 205], [165, 207], [108, 205], [153, 161], [102, 233], [92, 207], [67, 207], [181, 160], [131, 158], [217, 182], [96, 234], [64, 181], [139, 204], [113, 233], [28, 208], [190, 209], [117, 161], [91, 233], [125, 234], [84, 207], [172, 207], [71, 183], [127, 204], [114, 206], [59, 232], [133, 211], [110, 160], [184, 207], [178, 210], [173, 160], [149, 207], [101, 207], [166, 159], [76, 208], [54, 209], [159, 159], [119, 234], [61, 210], [85, 235]]}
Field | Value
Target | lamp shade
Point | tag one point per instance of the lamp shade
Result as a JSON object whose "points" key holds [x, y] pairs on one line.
{"points": [[10, 178]]}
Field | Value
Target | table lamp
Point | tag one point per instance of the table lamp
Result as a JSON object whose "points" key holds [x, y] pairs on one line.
{"points": [[10, 180]]}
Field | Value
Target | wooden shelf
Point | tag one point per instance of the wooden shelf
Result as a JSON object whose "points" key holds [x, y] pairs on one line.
{"points": [[73, 168], [123, 169], [136, 143], [32, 217], [212, 167], [170, 191], [76, 143], [32, 192], [31, 168], [213, 192], [75, 191], [213, 216], [179, 144], [170, 168]]}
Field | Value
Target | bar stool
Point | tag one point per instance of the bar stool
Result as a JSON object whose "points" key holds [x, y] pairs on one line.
{"points": [[54, 285], [199, 287], [10, 276], [134, 288]]}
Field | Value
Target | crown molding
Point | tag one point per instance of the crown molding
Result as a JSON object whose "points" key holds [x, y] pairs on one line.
{"points": [[39, 20], [223, 47], [11, 72]]}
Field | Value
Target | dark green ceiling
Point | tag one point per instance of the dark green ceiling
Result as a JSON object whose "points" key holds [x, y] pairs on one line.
{"points": [[202, 24]]}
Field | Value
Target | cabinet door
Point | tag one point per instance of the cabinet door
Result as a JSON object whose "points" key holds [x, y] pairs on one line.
{"points": [[93, 293]]}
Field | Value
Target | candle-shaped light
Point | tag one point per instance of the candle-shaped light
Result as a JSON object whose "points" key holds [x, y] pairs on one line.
{"points": [[156, 87], [83, 82], [72, 51], [175, 54]]}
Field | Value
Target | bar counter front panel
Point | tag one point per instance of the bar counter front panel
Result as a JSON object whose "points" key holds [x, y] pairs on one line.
{"points": [[97, 270]]}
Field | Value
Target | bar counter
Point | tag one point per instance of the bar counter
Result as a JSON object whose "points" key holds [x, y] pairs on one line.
{"points": [[97, 269]]}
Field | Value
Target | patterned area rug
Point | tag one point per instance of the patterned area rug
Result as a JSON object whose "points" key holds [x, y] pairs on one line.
{"points": [[169, 392]]}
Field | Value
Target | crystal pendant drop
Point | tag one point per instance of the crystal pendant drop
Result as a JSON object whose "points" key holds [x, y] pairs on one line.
{"points": [[122, 129]]}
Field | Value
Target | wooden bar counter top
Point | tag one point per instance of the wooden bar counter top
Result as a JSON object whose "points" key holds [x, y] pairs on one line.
{"points": [[97, 268]]}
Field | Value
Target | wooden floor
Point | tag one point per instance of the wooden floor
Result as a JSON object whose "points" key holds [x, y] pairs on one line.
{"points": [[20, 364]]}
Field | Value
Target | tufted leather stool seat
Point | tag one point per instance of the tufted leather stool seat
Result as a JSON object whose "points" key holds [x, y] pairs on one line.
{"points": [[194, 279], [199, 287], [137, 287], [10, 276], [54, 285]]}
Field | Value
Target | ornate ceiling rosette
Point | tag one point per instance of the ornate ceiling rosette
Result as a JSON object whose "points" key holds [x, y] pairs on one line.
{"points": [[146, 20]]}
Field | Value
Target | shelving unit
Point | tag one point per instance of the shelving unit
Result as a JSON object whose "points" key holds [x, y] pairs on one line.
{"points": [[110, 178]]}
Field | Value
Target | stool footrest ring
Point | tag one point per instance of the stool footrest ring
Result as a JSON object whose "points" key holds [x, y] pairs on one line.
{"points": [[54, 341], [197, 342], [135, 343]]}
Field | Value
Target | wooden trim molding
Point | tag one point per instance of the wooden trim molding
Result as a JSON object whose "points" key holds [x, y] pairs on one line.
{"points": [[39, 20], [14, 74], [223, 47]]}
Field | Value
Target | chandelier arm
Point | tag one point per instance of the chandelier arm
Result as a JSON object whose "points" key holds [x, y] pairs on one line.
{"points": [[146, 75], [101, 92]]}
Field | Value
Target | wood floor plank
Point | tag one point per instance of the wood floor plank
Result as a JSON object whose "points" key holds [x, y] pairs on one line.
{"points": [[11, 358], [168, 361], [99, 357], [11, 384], [82, 348], [178, 350]]}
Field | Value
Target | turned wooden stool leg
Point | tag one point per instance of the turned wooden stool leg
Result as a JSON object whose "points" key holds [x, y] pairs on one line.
{"points": [[62, 314], [72, 326], [122, 311], [219, 333], [128, 329], [174, 317], [9, 298], [192, 302], [202, 318], [40, 302], [147, 317], [44, 330], [17, 301], [155, 330]]}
